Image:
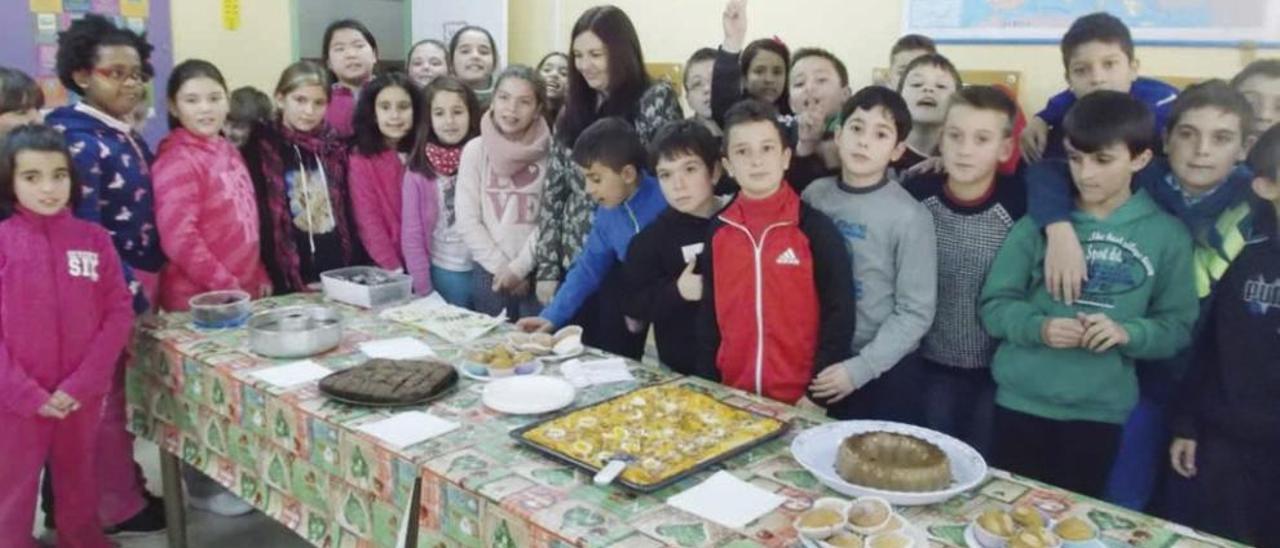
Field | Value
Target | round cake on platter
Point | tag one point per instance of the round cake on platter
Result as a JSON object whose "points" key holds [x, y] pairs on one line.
{"points": [[893, 462]]}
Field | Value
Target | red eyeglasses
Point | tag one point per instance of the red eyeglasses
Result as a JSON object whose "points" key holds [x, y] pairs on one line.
{"points": [[121, 75]]}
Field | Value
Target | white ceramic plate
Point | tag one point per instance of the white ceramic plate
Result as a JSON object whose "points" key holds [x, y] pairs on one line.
{"points": [[528, 394], [971, 538], [815, 450]]}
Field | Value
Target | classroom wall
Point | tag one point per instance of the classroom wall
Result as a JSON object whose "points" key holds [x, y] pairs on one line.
{"points": [[859, 31], [252, 55]]}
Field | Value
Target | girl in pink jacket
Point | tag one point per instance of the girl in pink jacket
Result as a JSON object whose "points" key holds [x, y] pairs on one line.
{"points": [[65, 316], [205, 207], [500, 193], [386, 121]]}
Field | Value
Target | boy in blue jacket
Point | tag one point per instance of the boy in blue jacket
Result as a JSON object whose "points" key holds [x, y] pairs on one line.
{"points": [[612, 160]]}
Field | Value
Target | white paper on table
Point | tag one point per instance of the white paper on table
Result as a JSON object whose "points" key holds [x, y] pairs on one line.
{"points": [[399, 348], [727, 500], [582, 374], [292, 374], [408, 428]]}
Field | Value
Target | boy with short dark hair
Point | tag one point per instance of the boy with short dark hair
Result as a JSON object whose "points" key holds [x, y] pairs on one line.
{"points": [[926, 86], [1226, 421], [697, 86], [612, 161], [904, 51], [778, 302], [662, 287], [819, 85], [1097, 52], [1064, 373], [973, 208], [893, 246], [1260, 84]]}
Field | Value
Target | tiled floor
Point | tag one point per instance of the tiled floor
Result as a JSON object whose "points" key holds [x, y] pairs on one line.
{"points": [[205, 530]]}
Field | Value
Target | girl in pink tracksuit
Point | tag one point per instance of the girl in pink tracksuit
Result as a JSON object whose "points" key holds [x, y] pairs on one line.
{"points": [[65, 316], [205, 207], [386, 121]]}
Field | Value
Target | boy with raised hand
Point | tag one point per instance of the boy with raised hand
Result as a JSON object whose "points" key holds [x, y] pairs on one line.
{"points": [[1201, 183], [612, 161], [891, 240], [778, 296], [1259, 82], [662, 287], [1097, 52], [819, 86], [1064, 373], [1226, 422], [973, 208]]}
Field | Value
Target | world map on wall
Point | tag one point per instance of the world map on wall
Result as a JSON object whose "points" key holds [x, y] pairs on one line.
{"points": [[1191, 21]]}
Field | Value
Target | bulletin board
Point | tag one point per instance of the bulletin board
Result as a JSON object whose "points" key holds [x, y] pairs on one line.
{"points": [[29, 43]]}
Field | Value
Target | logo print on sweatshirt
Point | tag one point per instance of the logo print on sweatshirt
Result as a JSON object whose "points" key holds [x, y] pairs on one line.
{"points": [[82, 264], [1261, 297], [788, 258]]}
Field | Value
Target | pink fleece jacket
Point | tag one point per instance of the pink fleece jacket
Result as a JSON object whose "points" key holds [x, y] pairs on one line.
{"points": [[208, 219], [376, 197], [421, 212], [341, 110], [500, 184], [65, 312]]}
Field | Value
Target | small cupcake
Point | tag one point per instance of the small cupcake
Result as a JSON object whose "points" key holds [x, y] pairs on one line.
{"points": [[869, 515], [1076, 532], [994, 528], [891, 539]]}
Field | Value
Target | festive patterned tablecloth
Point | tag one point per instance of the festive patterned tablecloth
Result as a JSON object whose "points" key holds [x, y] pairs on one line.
{"points": [[298, 457]]}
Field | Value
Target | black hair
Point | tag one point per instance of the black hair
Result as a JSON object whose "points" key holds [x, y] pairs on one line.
{"points": [[1213, 93], [749, 111], [627, 77], [188, 70], [18, 91], [429, 41], [1104, 118], [346, 24], [250, 105], [453, 45], [551, 108], [819, 52], [871, 97], [31, 137], [987, 98], [524, 72], [612, 142], [549, 55], [1096, 27], [687, 136], [700, 55], [418, 160], [368, 138], [78, 47], [1269, 68], [777, 47], [914, 42], [1264, 157], [932, 60]]}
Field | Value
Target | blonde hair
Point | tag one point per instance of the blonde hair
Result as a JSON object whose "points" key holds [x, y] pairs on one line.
{"points": [[302, 74]]}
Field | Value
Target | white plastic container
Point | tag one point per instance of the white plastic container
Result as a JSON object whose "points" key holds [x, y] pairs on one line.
{"points": [[389, 288]]}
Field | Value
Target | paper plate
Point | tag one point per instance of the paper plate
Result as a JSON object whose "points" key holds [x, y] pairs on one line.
{"points": [[815, 450], [528, 395]]}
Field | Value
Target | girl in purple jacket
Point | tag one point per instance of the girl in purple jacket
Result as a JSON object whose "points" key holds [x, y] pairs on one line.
{"points": [[65, 315]]}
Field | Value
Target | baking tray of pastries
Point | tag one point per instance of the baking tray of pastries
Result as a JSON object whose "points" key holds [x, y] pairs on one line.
{"points": [[664, 432], [391, 383]]}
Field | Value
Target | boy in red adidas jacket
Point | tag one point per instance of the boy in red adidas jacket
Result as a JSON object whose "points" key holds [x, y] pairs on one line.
{"points": [[778, 302]]}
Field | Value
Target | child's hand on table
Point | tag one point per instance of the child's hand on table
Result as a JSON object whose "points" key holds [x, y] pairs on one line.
{"points": [[832, 384], [1182, 454], [1033, 139], [535, 324]]}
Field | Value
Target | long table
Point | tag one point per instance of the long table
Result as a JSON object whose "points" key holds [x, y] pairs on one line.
{"points": [[299, 458]]}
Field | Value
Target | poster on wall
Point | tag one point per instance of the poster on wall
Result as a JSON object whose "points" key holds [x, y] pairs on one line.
{"points": [[30, 44], [441, 19], [1176, 22]]}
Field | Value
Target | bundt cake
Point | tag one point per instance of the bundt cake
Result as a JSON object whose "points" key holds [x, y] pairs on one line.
{"points": [[893, 462]]}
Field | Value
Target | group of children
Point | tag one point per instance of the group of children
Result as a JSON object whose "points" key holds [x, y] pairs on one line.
{"points": [[1083, 296]]}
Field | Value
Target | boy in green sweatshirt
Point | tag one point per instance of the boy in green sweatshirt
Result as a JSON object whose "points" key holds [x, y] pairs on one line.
{"points": [[1065, 373]]}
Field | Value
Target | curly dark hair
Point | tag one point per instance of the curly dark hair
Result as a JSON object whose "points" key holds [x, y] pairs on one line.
{"points": [[368, 138], [78, 47]]}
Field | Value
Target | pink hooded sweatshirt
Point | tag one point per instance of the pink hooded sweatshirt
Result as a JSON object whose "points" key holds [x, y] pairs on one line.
{"points": [[65, 316], [500, 184], [208, 219], [376, 197]]}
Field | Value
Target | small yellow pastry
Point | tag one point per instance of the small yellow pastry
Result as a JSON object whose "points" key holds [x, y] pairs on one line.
{"points": [[997, 523], [1033, 538], [845, 540], [895, 539], [819, 518], [1027, 516], [1074, 529], [868, 513]]}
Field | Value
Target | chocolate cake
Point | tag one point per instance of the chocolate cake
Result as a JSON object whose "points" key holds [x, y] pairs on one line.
{"points": [[391, 382]]}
